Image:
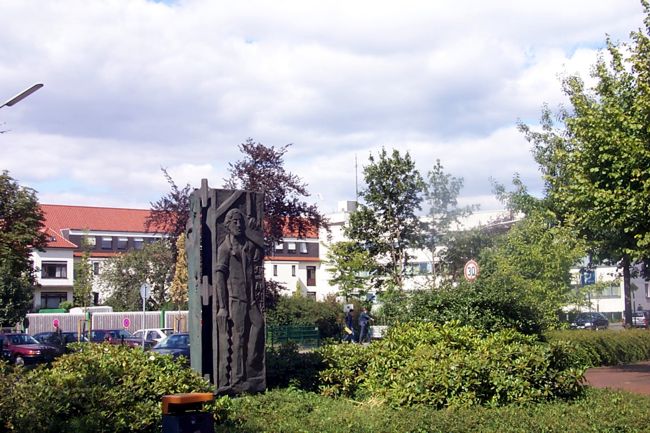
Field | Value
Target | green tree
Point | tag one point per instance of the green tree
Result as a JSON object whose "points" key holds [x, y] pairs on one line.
{"points": [[350, 266], [596, 161], [21, 231], [532, 261], [83, 278], [124, 274], [386, 224], [441, 194]]}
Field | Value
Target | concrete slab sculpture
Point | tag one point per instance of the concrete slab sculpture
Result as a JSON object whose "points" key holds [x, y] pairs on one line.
{"points": [[225, 253]]}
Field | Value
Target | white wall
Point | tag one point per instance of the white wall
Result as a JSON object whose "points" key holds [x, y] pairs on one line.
{"points": [[50, 284]]}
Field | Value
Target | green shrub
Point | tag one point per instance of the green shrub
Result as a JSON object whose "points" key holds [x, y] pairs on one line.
{"points": [[606, 347], [99, 388], [345, 365], [292, 310], [487, 308], [286, 366], [453, 365], [294, 411]]}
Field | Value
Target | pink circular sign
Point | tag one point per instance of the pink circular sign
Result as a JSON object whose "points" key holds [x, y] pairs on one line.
{"points": [[55, 323], [126, 322]]}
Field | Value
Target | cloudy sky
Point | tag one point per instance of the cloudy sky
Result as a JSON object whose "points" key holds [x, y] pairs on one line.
{"points": [[133, 85]]}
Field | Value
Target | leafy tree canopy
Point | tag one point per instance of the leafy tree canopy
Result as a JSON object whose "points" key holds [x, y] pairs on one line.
{"points": [[386, 224], [125, 273], [21, 230], [595, 161], [262, 169], [349, 267], [169, 213]]}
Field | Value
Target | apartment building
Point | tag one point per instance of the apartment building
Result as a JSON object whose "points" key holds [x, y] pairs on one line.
{"points": [[108, 232]]}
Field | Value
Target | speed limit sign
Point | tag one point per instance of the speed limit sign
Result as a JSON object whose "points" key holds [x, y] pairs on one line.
{"points": [[471, 270]]}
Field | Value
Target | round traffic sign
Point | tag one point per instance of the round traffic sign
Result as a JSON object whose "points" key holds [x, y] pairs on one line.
{"points": [[55, 323], [126, 322], [471, 270]]}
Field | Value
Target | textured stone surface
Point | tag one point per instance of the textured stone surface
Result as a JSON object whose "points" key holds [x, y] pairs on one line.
{"points": [[225, 251]]}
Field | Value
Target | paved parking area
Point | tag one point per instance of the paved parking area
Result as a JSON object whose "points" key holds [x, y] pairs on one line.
{"points": [[630, 377]]}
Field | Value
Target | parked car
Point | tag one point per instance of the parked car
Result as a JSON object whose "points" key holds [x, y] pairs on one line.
{"points": [[59, 340], [590, 320], [176, 345], [153, 335], [640, 319], [23, 349], [114, 336]]}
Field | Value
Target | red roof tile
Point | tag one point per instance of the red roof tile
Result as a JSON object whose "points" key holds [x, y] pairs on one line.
{"points": [[56, 240], [311, 232], [60, 217]]}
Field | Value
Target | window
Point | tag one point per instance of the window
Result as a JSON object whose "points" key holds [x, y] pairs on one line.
{"points": [[279, 246], [613, 291], [107, 243], [293, 270], [275, 270], [52, 299], [311, 295], [303, 247], [291, 246], [90, 240], [96, 268], [122, 243], [54, 270], [311, 275], [647, 290], [138, 243]]}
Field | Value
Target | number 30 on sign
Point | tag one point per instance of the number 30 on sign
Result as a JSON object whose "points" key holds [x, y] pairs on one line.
{"points": [[471, 270]]}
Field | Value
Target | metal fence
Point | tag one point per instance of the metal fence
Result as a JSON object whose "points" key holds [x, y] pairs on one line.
{"points": [[129, 320], [304, 336]]}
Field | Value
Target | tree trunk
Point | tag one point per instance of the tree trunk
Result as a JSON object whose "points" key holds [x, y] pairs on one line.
{"points": [[627, 290]]}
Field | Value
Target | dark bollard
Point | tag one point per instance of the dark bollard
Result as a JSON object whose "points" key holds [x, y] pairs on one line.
{"points": [[182, 413]]}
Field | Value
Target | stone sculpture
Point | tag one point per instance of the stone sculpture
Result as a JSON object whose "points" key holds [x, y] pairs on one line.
{"points": [[225, 251]]}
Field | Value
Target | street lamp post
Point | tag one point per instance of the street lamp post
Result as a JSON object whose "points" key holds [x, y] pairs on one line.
{"points": [[22, 95]]}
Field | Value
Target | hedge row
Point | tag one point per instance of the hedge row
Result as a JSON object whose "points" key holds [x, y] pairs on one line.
{"points": [[612, 347], [297, 411]]}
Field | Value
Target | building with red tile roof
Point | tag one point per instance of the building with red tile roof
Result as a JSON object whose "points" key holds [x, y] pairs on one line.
{"points": [[108, 231], [295, 262]]}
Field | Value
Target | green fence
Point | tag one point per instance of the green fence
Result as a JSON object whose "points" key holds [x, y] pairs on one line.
{"points": [[304, 336]]}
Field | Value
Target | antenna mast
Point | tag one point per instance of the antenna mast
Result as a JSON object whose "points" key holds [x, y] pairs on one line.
{"points": [[356, 181]]}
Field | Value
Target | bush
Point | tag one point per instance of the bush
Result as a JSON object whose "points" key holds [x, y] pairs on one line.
{"points": [[286, 366], [453, 365], [99, 388], [490, 309], [606, 347], [295, 310], [295, 411]]}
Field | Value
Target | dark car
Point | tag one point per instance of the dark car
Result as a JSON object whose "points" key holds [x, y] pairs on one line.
{"points": [[114, 336], [23, 349], [176, 345], [60, 340], [591, 320]]}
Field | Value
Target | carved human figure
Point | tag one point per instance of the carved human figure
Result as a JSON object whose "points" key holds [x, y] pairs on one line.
{"points": [[237, 258]]}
